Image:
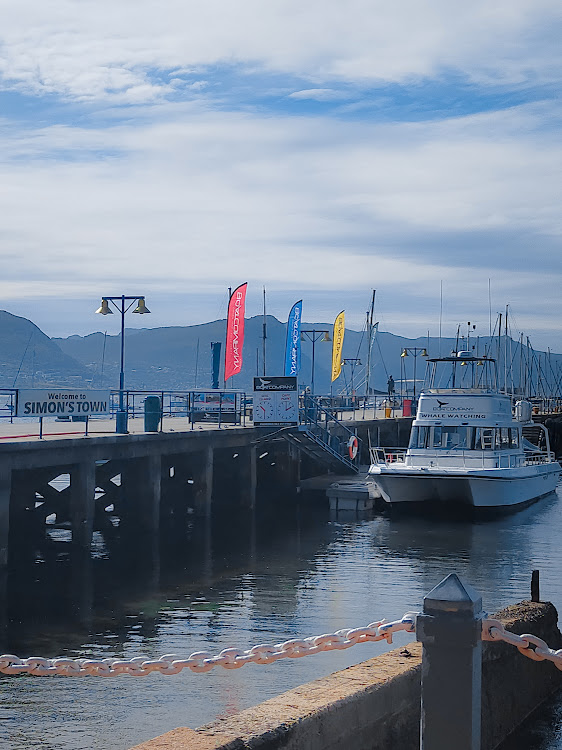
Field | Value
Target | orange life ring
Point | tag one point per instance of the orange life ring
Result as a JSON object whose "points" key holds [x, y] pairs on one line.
{"points": [[352, 447]]}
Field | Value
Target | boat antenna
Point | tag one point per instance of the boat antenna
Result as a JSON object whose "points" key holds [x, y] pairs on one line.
{"points": [[440, 314], [490, 305], [264, 331]]}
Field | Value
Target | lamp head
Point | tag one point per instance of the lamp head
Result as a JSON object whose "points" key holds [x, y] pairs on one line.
{"points": [[404, 353], [141, 308], [424, 353], [105, 309], [326, 336]]}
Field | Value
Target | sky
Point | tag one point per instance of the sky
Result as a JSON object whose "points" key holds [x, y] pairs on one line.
{"points": [[320, 150]]}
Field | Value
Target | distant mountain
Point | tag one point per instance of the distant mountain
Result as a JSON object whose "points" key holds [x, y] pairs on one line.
{"points": [[179, 357], [31, 359]]}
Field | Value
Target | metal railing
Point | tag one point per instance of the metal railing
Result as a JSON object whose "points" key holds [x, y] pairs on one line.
{"points": [[461, 458], [196, 405], [221, 407], [330, 433], [8, 403]]}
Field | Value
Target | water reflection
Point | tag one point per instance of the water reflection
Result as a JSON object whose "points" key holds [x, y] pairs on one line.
{"points": [[237, 581]]}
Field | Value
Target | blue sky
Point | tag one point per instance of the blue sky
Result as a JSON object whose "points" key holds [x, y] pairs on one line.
{"points": [[320, 149]]}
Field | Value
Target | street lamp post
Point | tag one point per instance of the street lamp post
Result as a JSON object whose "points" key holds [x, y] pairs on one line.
{"points": [[314, 335], [415, 351], [120, 304]]}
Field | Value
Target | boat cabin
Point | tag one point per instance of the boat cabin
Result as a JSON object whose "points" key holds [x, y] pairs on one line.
{"points": [[462, 420]]}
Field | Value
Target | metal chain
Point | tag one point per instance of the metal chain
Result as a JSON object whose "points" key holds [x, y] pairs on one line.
{"points": [[528, 645], [204, 661]]}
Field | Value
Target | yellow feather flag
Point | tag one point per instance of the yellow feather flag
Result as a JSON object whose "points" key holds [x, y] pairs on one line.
{"points": [[337, 345]]}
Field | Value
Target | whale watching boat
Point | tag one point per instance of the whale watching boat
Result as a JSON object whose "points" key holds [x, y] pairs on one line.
{"points": [[467, 445]]}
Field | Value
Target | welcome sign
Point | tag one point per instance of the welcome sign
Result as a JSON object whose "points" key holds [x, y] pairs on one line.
{"points": [[35, 402]]}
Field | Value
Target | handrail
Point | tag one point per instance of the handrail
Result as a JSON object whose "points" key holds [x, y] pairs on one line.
{"points": [[319, 422], [464, 458]]}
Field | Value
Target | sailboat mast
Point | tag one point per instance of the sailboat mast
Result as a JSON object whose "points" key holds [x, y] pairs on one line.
{"points": [[499, 344], [505, 353], [196, 363], [370, 316]]}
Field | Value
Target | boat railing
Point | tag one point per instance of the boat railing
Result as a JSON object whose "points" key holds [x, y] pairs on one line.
{"points": [[533, 458], [387, 455], [461, 458]]}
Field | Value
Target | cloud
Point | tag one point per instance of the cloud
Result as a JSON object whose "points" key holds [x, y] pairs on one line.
{"points": [[120, 49], [188, 199], [148, 148], [320, 95]]}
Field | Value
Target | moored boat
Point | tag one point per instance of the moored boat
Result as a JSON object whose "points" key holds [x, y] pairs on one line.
{"points": [[467, 447]]}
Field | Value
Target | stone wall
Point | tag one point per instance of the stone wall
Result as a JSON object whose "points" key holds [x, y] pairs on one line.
{"points": [[376, 705]]}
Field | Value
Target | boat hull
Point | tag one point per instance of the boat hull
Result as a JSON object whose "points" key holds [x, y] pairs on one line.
{"points": [[483, 489]]}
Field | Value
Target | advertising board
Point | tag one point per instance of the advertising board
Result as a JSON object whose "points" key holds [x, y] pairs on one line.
{"points": [[214, 402], [276, 400]]}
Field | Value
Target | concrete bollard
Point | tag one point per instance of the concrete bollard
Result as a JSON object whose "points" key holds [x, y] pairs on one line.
{"points": [[450, 630]]}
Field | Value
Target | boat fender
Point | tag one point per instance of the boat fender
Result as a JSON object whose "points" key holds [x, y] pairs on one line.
{"points": [[352, 447]]}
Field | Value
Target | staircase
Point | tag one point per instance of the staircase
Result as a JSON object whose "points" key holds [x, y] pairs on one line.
{"points": [[323, 437]]}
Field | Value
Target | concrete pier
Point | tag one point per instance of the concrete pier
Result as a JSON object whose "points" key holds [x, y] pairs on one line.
{"points": [[130, 487], [5, 492]]}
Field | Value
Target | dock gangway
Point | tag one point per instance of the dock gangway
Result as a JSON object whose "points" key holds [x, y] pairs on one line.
{"points": [[325, 438]]}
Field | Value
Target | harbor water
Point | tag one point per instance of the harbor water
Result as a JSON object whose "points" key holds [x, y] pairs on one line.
{"points": [[244, 580]]}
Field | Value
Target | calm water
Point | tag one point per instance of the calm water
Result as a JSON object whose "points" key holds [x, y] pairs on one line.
{"points": [[301, 573]]}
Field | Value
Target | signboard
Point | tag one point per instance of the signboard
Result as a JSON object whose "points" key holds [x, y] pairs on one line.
{"points": [[276, 400], [452, 407], [214, 402], [36, 402]]}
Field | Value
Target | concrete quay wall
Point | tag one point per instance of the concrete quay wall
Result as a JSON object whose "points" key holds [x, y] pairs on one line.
{"points": [[376, 705]]}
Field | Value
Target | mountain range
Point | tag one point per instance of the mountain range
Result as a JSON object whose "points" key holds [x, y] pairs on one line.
{"points": [[179, 357]]}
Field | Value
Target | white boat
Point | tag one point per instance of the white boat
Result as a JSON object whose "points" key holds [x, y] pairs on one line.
{"points": [[467, 445]]}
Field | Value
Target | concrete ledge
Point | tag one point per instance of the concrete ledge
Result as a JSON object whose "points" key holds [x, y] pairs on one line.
{"points": [[376, 705]]}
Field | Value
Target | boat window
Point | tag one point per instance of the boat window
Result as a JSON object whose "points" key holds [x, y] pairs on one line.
{"points": [[418, 437], [448, 437], [514, 437], [485, 439], [505, 437]]}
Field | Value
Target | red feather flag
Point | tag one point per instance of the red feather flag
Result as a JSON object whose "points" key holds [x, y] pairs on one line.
{"points": [[235, 332]]}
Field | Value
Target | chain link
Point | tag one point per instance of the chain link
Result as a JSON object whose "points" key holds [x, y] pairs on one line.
{"points": [[529, 645], [204, 661], [231, 658]]}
